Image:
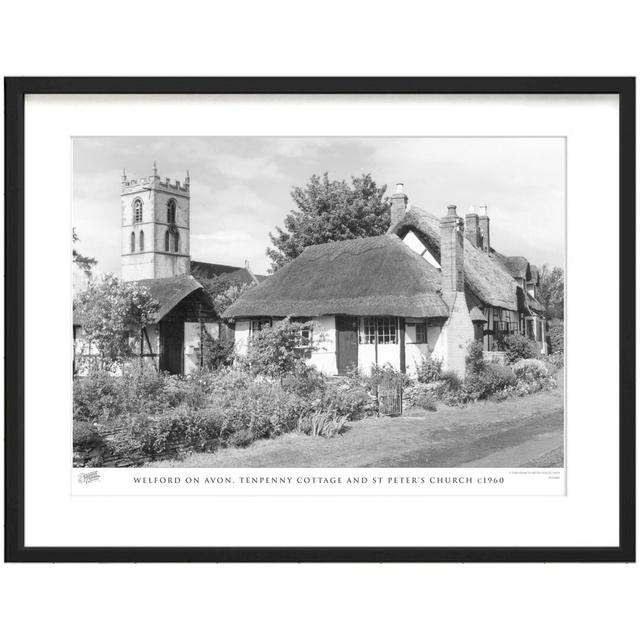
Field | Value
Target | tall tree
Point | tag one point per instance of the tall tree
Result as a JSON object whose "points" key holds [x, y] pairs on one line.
{"points": [[86, 264], [224, 288], [330, 210], [552, 291]]}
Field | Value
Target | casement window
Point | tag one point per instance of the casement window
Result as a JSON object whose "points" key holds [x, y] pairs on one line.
{"points": [[258, 325], [141, 243], [137, 210], [416, 332], [176, 242], [171, 211], [133, 242], [378, 330]]}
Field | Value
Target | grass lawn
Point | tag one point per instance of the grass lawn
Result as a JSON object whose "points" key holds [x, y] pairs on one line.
{"points": [[517, 432]]}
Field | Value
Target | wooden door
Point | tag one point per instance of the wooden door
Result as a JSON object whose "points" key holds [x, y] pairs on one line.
{"points": [[346, 343], [171, 346]]}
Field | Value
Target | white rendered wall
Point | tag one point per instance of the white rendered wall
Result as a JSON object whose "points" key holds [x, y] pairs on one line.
{"points": [[413, 356], [241, 336], [323, 355]]}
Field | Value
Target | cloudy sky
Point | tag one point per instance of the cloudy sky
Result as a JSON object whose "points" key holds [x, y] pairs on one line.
{"points": [[240, 187]]}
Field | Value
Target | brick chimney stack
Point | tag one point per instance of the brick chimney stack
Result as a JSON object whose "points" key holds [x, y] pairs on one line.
{"points": [[398, 204], [472, 228], [483, 221], [452, 251]]}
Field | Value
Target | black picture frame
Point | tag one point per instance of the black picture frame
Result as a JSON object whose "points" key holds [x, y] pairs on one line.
{"points": [[15, 91]]}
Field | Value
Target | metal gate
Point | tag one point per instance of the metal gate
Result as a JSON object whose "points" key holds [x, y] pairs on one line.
{"points": [[390, 398]]}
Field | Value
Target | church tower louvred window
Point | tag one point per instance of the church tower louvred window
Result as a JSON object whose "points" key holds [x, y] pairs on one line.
{"points": [[137, 210], [171, 211]]}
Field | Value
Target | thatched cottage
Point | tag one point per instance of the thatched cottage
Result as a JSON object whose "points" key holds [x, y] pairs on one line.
{"points": [[430, 285]]}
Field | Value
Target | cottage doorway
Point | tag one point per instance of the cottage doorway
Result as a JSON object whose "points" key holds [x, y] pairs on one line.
{"points": [[346, 343], [171, 346]]}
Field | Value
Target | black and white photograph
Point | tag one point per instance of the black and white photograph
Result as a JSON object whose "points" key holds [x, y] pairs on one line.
{"points": [[318, 302]]}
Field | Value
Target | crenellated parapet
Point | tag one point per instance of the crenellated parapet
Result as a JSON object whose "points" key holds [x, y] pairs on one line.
{"points": [[154, 181]]}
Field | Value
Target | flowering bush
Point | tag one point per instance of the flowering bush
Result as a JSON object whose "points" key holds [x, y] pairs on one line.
{"points": [[519, 347], [276, 351], [533, 376], [112, 311]]}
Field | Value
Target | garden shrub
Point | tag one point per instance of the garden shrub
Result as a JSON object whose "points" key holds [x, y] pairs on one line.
{"points": [[451, 380], [85, 435], [349, 399], [532, 376], [276, 351], [96, 396], [519, 347], [555, 335], [428, 369], [474, 359], [305, 380], [421, 396]]}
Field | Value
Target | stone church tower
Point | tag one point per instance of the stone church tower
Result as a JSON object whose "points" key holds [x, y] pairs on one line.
{"points": [[155, 227]]}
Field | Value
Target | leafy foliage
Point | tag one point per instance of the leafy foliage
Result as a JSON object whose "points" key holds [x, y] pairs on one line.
{"points": [[321, 423], [278, 350], [551, 291], [474, 359], [112, 311], [85, 263], [330, 210], [556, 336], [224, 288], [428, 369], [147, 416], [518, 347], [217, 352]]}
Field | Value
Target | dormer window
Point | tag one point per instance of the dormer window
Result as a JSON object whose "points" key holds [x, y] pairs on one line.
{"points": [[171, 211], [137, 210]]}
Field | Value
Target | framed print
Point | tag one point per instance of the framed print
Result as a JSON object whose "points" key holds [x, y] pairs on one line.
{"points": [[320, 319]]}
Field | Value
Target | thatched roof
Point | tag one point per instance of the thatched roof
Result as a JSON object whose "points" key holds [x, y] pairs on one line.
{"points": [[533, 304], [486, 278], [367, 276], [516, 266], [241, 275], [168, 292], [477, 315]]}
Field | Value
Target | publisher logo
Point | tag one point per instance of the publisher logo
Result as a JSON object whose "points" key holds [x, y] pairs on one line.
{"points": [[89, 476]]}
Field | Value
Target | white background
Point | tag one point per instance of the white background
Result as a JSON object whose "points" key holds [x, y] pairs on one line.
{"points": [[490, 38], [587, 516]]}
